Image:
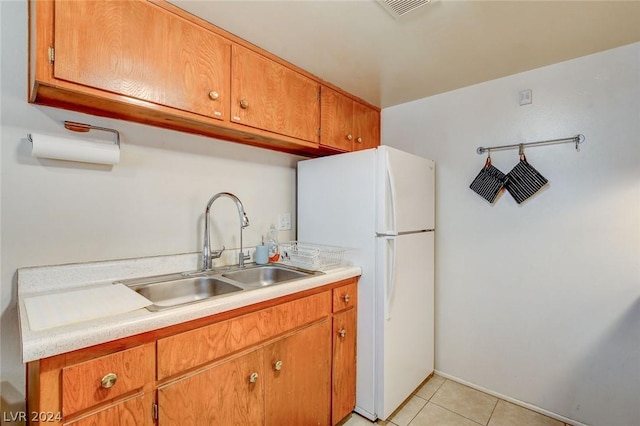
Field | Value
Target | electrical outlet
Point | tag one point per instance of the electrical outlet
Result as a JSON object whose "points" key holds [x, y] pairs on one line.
{"points": [[284, 221]]}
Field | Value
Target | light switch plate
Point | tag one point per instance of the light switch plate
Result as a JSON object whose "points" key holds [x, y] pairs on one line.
{"points": [[526, 97]]}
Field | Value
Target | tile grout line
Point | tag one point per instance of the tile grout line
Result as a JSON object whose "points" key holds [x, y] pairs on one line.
{"points": [[493, 410], [458, 414]]}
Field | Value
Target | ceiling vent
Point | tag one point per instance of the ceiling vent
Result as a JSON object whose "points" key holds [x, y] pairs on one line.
{"points": [[397, 8]]}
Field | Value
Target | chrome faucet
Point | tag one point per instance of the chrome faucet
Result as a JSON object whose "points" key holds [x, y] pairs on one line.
{"points": [[206, 249]]}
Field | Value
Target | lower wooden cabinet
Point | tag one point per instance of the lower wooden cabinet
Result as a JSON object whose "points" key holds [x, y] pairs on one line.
{"points": [[343, 392], [230, 393], [343, 385], [285, 382], [298, 377], [288, 361]]}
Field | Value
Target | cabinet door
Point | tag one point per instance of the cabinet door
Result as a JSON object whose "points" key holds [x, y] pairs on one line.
{"points": [[225, 394], [298, 374], [269, 96], [336, 120], [139, 50], [344, 362], [132, 412], [366, 123]]}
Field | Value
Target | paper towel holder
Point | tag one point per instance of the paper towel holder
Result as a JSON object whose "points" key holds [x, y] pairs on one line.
{"points": [[83, 128]]}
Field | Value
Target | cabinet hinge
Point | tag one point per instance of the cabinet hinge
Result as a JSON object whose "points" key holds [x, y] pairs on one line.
{"points": [[154, 411], [319, 131], [52, 55]]}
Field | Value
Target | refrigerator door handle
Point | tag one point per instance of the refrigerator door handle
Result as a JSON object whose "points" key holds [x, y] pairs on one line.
{"points": [[392, 196], [391, 278]]}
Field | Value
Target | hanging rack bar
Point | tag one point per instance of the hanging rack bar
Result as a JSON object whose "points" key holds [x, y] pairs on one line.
{"points": [[577, 139]]}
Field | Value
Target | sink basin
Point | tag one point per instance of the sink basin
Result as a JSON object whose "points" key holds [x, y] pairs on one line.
{"points": [[262, 276], [173, 290], [176, 292]]}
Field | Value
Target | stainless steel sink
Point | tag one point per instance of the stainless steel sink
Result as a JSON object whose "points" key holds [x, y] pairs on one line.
{"points": [[262, 276], [182, 291], [173, 290]]}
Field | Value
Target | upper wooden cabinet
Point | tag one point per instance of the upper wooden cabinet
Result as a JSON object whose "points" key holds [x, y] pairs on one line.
{"points": [[153, 63], [366, 122], [347, 125], [270, 96], [138, 50]]}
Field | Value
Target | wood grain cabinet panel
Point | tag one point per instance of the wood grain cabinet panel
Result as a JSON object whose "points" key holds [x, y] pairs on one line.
{"points": [[193, 348], [345, 297], [298, 377], [131, 412], [225, 394], [87, 384], [336, 120], [347, 125], [343, 392], [139, 50], [269, 96], [367, 127]]}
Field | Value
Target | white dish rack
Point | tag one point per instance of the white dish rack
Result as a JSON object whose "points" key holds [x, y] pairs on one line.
{"points": [[314, 257]]}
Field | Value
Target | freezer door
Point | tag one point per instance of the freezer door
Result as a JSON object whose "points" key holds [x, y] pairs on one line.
{"points": [[406, 188], [406, 354]]}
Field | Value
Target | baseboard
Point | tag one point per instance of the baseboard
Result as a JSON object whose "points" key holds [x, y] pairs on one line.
{"points": [[511, 400]]}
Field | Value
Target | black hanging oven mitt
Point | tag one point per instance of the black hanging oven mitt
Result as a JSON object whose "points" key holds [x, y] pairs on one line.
{"points": [[523, 181], [489, 183]]}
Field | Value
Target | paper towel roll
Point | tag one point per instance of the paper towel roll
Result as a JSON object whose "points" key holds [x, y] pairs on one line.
{"points": [[85, 151]]}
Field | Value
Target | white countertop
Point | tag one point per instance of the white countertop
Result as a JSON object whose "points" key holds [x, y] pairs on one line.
{"points": [[64, 278]]}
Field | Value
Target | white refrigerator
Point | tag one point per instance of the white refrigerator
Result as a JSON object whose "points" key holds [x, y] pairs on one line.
{"points": [[380, 204]]}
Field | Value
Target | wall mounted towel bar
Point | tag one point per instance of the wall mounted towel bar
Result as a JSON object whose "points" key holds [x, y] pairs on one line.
{"points": [[577, 139]]}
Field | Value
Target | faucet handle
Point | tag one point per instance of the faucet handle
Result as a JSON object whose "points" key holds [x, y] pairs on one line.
{"points": [[217, 253]]}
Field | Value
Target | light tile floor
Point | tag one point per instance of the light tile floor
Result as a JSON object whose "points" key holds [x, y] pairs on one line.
{"points": [[442, 402]]}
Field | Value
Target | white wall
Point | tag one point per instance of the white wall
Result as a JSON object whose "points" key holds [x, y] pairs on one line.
{"points": [[151, 203], [541, 301]]}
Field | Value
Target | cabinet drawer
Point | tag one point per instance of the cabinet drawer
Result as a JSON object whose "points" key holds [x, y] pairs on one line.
{"points": [[196, 347], [105, 378], [130, 412], [345, 297]]}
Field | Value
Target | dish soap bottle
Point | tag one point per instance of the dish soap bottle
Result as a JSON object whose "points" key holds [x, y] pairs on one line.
{"points": [[272, 243]]}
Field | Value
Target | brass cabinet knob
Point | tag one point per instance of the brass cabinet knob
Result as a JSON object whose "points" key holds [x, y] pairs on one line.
{"points": [[253, 378], [278, 365], [244, 104], [109, 380], [359, 140], [349, 137], [214, 95], [346, 298], [342, 332]]}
